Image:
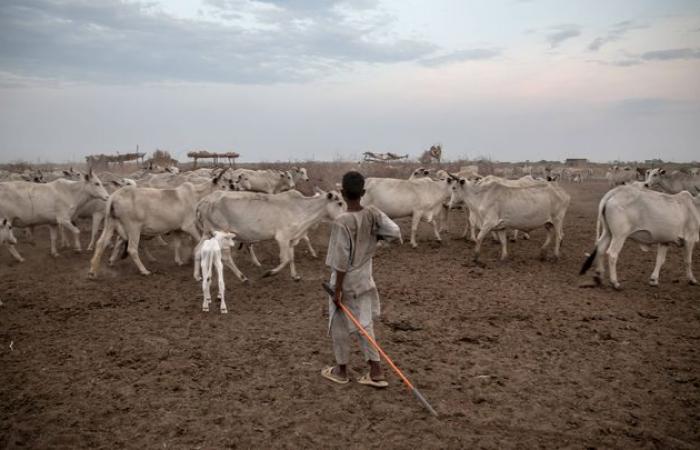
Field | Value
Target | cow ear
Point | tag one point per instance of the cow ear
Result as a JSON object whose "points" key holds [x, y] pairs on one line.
{"points": [[662, 171], [329, 196], [4, 222], [462, 181]]}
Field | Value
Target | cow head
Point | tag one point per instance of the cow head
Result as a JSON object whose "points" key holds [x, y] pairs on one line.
{"points": [[654, 177], [286, 180], [219, 181], [94, 187], [242, 183], [6, 235], [335, 205], [225, 240], [420, 172], [299, 173]]}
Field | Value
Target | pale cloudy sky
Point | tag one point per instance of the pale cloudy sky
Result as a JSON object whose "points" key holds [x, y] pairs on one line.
{"points": [[328, 79]]}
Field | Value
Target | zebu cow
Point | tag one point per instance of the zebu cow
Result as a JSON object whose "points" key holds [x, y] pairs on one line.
{"points": [[94, 210], [498, 207], [420, 199], [284, 217], [647, 217], [7, 237], [28, 204], [299, 174], [620, 175], [267, 181], [208, 254], [132, 211], [472, 223], [674, 182], [420, 172]]}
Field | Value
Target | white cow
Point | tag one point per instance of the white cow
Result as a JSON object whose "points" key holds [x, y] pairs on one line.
{"points": [[285, 217], [647, 217], [132, 211], [7, 237], [299, 174], [28, 204], [420, 172], [674, 182], [498, 207], [620, 175], [267, 181], [420, 199], [208, 254]]}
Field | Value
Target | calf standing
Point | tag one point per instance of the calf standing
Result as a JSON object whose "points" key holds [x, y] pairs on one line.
{"points": [[208, 254]]}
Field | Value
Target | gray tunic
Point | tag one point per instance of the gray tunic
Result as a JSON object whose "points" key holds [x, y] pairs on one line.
{"points": [[352, 244]]}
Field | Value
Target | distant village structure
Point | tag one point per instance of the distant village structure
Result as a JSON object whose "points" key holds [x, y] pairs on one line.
{"points": [[576, 162], [203, 154], [102, 161]]}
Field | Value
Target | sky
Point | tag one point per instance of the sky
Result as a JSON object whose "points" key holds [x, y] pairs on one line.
{"points": [[283, 80]]}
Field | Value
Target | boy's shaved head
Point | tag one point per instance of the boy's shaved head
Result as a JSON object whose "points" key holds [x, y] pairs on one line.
{"points": [[353, 185]]}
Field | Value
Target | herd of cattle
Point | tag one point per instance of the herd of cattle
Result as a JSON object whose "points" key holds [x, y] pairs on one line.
{"points": [[650, 207]]}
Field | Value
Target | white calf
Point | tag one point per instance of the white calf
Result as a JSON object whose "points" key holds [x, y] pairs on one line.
{"points": [[208, 254]]}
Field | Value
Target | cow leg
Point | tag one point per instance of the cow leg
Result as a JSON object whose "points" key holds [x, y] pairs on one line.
{"points": [[436, 229], [176, 248], [220, 280], [526, 236], [206, 280], [148, 254], [132, 248], [117, 250], [253, 256], [601, 247], [286, 256], [613, 253], [660, 259], [102, 243], [292, 264], [228, 260], [503, 238], [309, 246], [73, 229], [15, 254], [483, 232], [97, 219], [53, 232], [558, 237], [547, 240], [197, 274], [64, 239], [415, 220], [688, 257], [160, 241]]}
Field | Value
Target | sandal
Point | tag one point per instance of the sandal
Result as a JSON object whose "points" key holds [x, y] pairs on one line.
{"points": [[368, 381], [328, 374]]}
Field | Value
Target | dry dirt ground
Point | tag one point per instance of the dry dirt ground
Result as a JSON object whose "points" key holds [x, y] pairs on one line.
{"points": [[511, 354]]}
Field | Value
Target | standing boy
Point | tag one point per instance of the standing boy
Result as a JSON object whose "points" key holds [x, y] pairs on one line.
{"points": [[352, 244]]}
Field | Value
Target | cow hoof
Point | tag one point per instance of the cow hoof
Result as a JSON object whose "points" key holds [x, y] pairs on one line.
{"points": [[179, 263], [617, 286], [653, 282], [146, 273], [296, 278], [55, 255], [92, 276], [598, 280], [245, 280], [224, 311], [269, 273], [414, 245], [205, 309], [197, 278], [693, 282]]}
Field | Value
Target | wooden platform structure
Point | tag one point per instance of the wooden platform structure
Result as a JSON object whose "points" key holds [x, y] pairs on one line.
{"points": [[203, 154], [103, 161], [382, 157]]}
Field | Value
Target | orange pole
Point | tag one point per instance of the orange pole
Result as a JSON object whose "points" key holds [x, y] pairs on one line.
{"points": [[374, 343]]}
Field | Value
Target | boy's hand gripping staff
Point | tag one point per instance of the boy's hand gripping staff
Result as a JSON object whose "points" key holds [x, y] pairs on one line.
{"points": [[327, 287]]}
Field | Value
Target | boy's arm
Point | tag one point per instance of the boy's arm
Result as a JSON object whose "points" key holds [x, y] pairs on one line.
{"points": [[339, 277]]}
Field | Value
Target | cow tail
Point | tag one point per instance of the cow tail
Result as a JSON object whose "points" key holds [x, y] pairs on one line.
{"points": [[591, 258]]}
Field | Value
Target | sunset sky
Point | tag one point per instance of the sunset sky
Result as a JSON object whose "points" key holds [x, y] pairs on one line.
{"points": [[314, 79]]}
